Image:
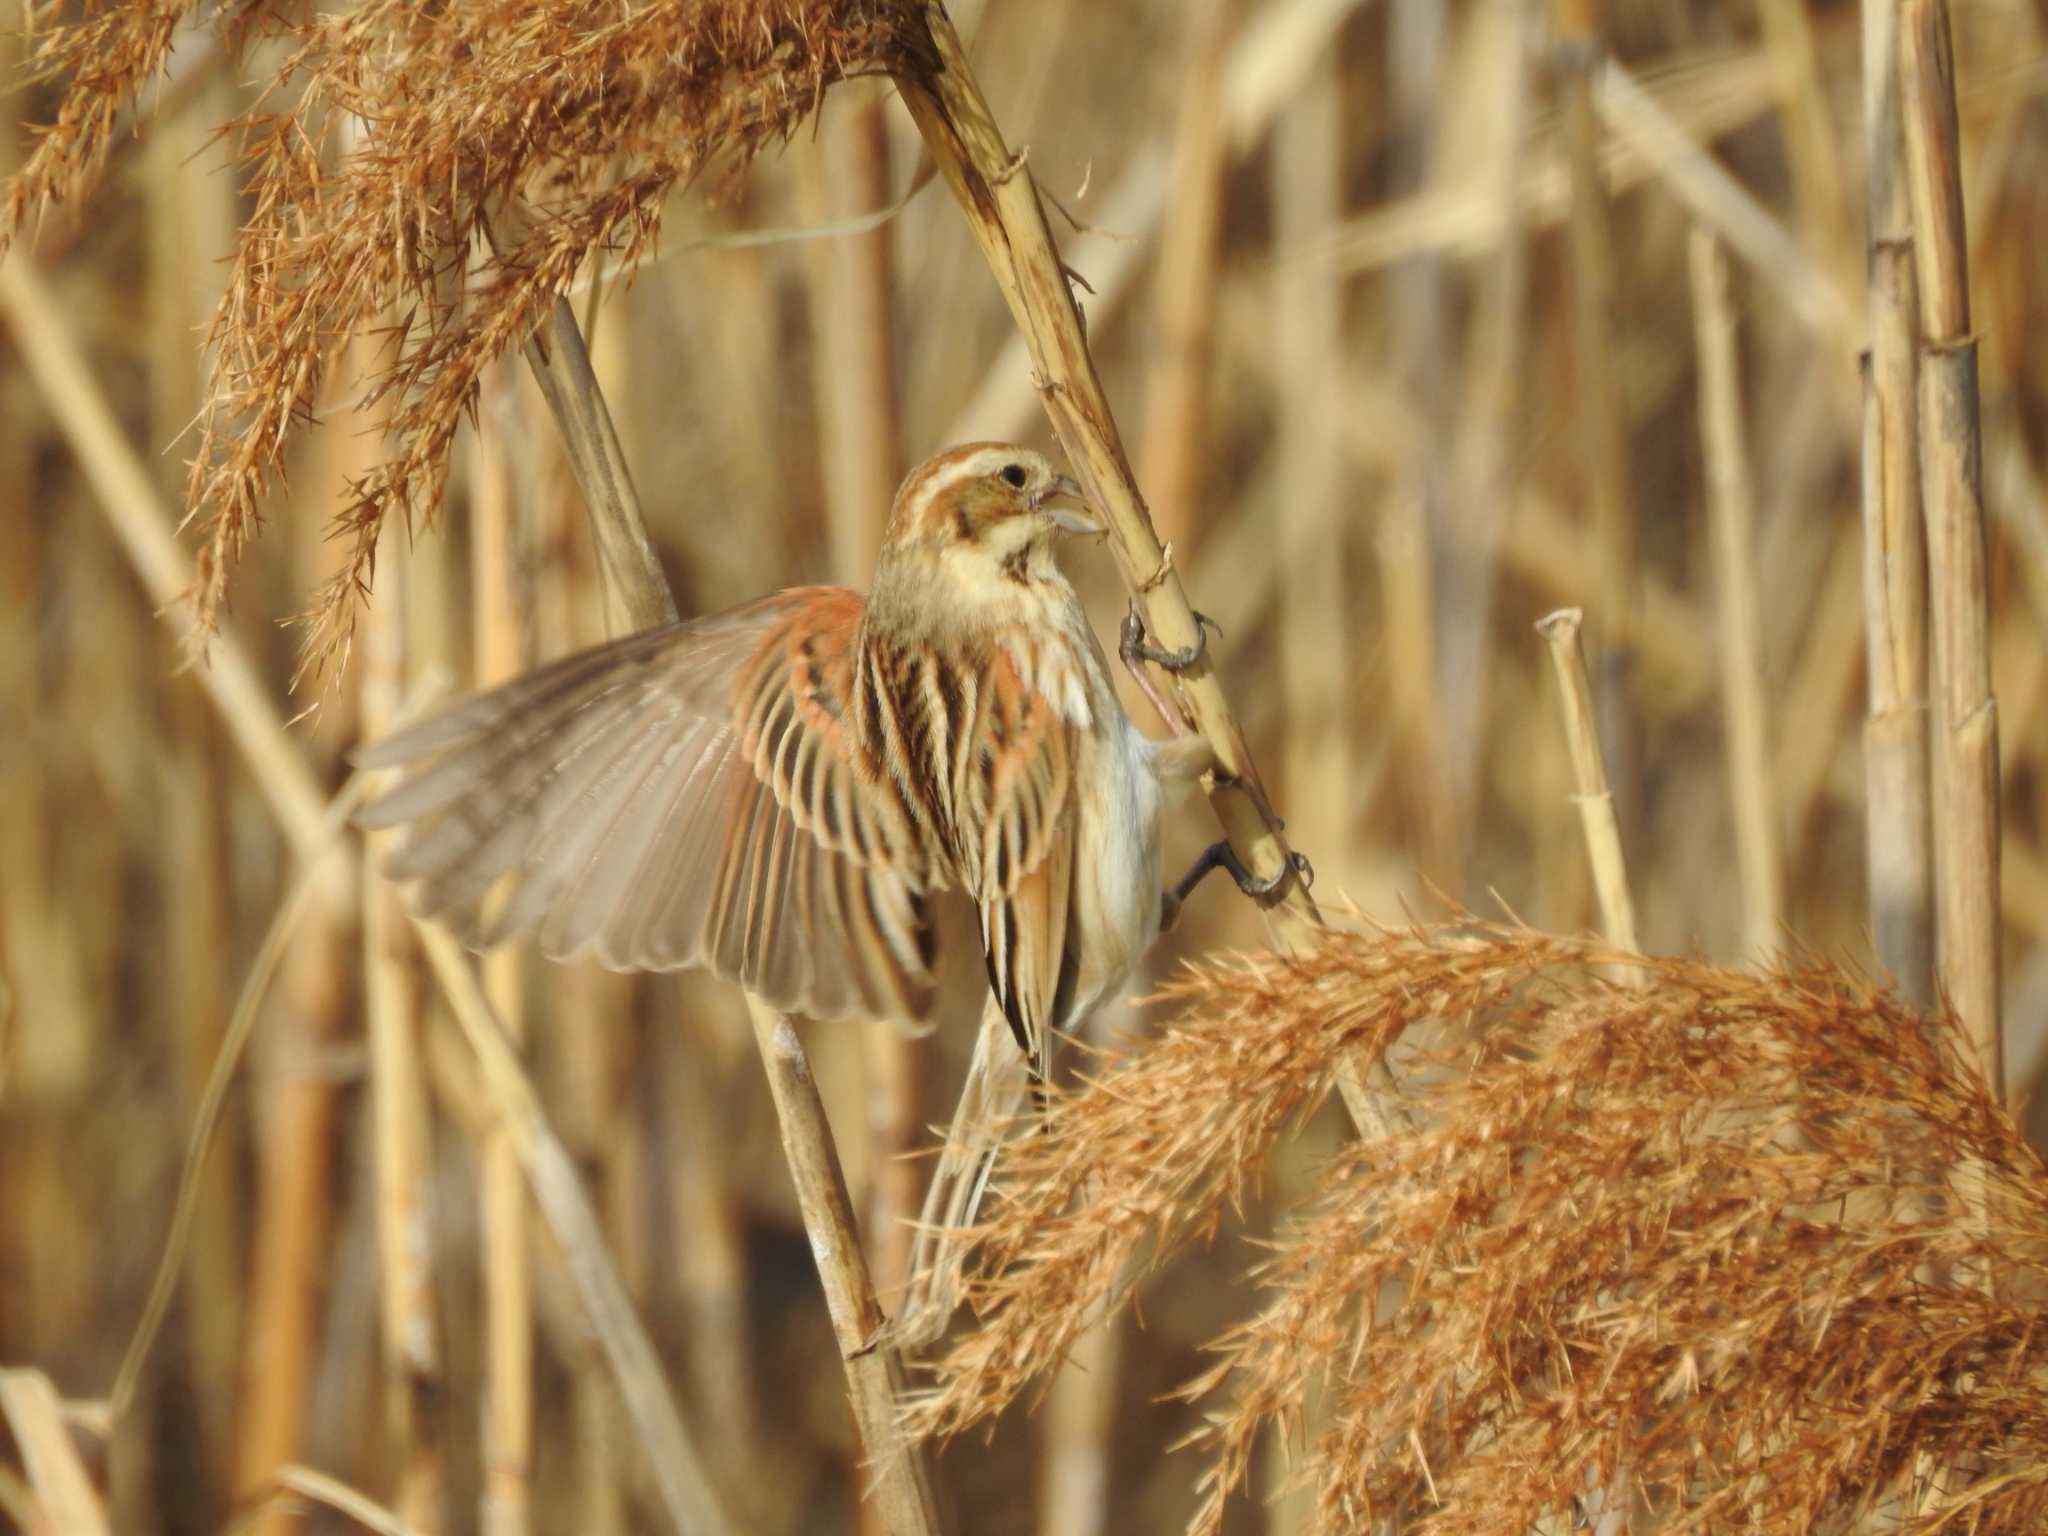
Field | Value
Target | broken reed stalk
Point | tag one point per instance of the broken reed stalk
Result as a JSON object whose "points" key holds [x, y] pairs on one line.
{"points": [[1594, 799], [1965, 723], [1731, 517], [639, 592], [1897, 815]]}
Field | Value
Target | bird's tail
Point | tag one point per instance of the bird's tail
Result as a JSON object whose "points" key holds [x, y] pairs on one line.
{"points": [[994, 1103]]}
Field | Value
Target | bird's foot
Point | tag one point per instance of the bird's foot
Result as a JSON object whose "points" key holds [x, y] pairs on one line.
{"points": [[1134, 647], [1224, 857]]}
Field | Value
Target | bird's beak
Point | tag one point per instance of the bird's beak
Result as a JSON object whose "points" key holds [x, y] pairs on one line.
{"points": [[1063, 503]]}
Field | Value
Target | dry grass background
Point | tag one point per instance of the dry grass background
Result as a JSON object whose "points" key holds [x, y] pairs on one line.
{"points": [[1334, 266]]}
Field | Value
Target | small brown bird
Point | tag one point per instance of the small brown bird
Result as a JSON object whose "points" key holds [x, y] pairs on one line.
{"points": [[780, 792]]}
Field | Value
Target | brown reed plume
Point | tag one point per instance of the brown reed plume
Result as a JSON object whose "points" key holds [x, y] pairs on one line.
{"points": [[1700, 1233], [392, 139]]}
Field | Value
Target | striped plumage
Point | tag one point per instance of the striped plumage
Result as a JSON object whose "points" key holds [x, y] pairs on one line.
{"points": [[781, 792]]}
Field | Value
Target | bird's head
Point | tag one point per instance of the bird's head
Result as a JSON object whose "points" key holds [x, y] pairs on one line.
{"points": [[987, 504]]}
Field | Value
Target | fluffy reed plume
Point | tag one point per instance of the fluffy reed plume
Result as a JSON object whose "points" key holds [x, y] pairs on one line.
{"points": [[392, 138], [1698, 1236]]}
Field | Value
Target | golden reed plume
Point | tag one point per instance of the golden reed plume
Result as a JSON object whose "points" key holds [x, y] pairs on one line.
{"points": [[1701, 1239]]}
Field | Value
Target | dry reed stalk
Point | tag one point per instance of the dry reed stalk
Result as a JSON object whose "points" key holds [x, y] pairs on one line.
{"points": [[1710, 98], [1539, 543], [1818, 697], [1579, 58], [190, 228], [1731, 515], [1501, 40], [1268, 59], [293, 1487], [1720, 202], [1620, 1240], [901, 1487], [498, 515], [1000, 200], [199, 929], [1965, 725], [1897, 826], [1415, 308], [401, 1130], [291, 1224], [207, 1111], [1077, 1435], [1815, 160], [697, 1083], [63, 1488], [636, 592], [1310, 511], [852, 285], [1595, 800], [1170, 443]]}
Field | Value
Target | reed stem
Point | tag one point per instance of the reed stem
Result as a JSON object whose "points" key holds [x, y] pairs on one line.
{"points": [[1965, 723]]}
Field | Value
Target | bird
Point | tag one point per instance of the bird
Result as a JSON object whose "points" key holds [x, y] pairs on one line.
{"points": [[783, 792]]}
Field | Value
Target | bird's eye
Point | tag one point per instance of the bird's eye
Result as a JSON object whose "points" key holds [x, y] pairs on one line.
{"points": [[1013, 476]]}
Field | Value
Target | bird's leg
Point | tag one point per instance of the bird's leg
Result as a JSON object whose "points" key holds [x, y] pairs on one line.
{"points": [[1222, 856], [1135, 650]]}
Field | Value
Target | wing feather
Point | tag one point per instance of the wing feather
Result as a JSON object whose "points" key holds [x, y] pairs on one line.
{"points": [[1014, 777], [687, 796]]}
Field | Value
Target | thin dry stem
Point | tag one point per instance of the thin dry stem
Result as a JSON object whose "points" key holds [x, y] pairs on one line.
{"points": [[1603, 424], [1731, 517], [1965, 727], [1897, 820], [901, 1487], [1595, 800], [1171, 443], [56, 1471], [496, 524]]}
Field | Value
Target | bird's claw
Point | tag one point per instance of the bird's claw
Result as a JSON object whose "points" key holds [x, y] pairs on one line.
{"points": [[1224, 857], [1134, 647]]}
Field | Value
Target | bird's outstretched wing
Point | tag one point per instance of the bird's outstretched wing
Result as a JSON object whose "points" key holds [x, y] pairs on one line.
{"points": [[689, 796]]}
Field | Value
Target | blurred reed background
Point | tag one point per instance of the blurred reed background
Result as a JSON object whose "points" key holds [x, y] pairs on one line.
{"points": [[1396, 386]]}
